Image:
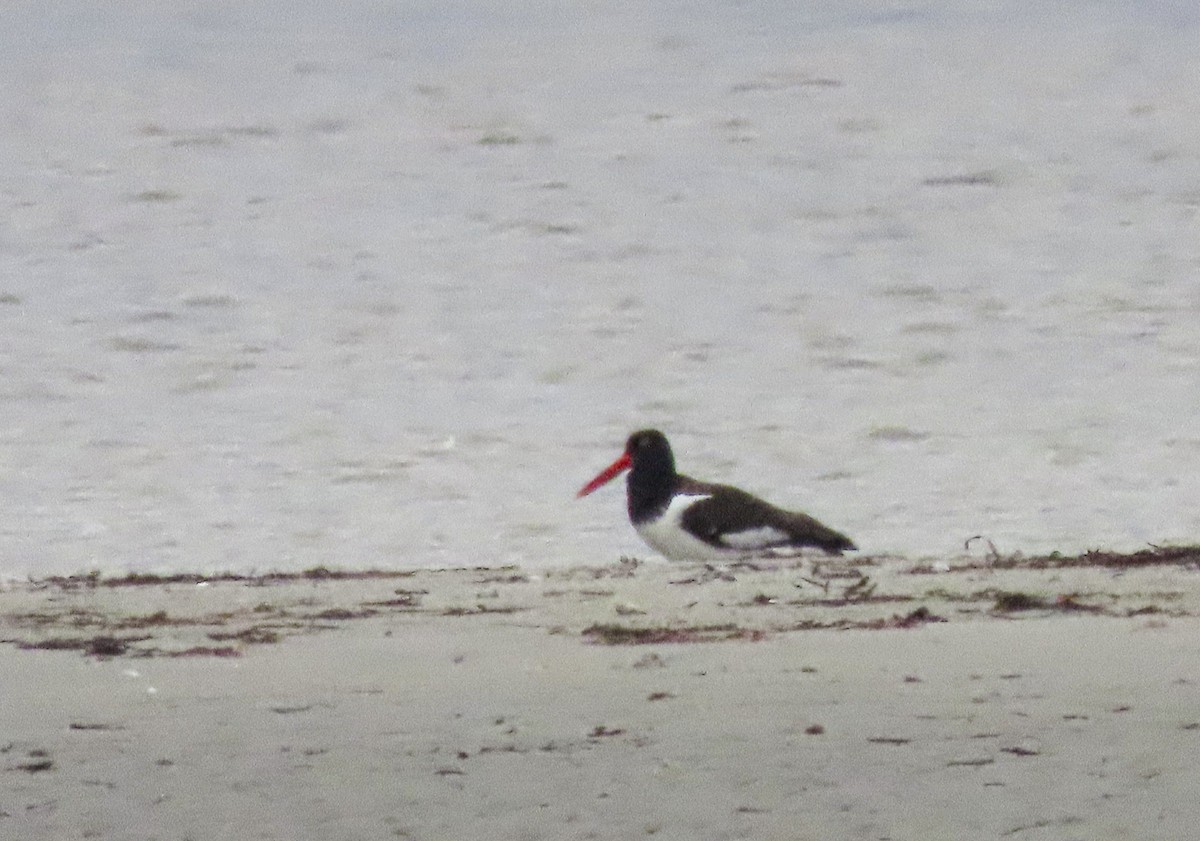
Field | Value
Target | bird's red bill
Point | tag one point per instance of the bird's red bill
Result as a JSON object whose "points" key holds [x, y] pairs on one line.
{"points": [[607, 475]]}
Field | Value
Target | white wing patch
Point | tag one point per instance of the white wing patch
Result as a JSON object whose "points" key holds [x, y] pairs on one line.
{"points": [[762, 537], [667, 535]]}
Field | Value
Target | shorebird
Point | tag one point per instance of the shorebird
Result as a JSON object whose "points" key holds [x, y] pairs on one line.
{"points": [[697, 521]]}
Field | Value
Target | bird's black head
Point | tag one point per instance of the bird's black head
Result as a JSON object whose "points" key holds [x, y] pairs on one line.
{"points": [[652, 479], [650, 452]]}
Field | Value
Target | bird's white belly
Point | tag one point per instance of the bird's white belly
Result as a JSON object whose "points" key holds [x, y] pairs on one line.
{"points": [[667, 535]]}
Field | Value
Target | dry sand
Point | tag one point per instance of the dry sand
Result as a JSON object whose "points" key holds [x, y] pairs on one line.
{"points": [[994, 698]]}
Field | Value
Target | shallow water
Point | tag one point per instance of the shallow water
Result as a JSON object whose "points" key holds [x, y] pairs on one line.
{"points": [[383, 286]]}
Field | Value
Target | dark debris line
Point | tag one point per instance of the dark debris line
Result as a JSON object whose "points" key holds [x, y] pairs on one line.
{"points": [[277, 624]]}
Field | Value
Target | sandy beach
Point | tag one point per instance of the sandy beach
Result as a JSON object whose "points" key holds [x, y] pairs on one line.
{"points": [[1026, 698]]}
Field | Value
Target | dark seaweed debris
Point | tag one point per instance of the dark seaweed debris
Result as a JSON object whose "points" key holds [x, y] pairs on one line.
{"points": [[613, 634], [1155, 555], [142, 579]]}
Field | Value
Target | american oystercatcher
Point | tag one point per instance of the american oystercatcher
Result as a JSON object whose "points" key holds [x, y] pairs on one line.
{"points": [[697, 521]]}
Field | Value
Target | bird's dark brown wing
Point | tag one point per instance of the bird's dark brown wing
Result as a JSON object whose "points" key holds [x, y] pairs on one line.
{"points": [[732, 519]]}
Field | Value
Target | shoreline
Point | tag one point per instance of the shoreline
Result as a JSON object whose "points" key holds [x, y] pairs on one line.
{"points": [[629, 602]]}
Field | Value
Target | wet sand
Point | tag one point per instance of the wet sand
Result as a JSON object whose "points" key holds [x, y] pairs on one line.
{"points": [[978, 698]]}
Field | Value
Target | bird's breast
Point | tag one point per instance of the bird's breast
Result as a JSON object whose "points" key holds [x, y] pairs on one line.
{"points": [[666, 533]]}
